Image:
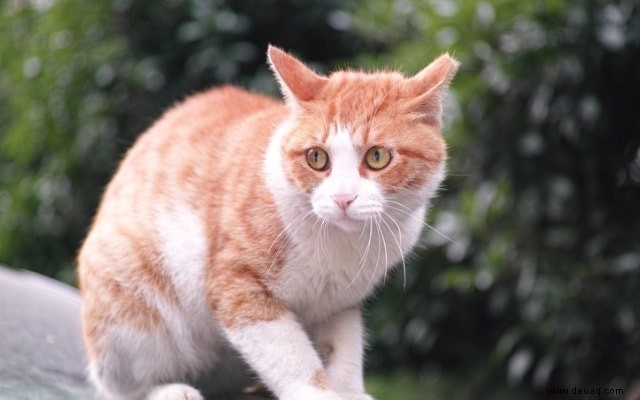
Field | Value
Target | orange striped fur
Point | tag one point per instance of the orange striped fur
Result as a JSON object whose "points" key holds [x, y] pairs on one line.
{"points": [[216, 231]]}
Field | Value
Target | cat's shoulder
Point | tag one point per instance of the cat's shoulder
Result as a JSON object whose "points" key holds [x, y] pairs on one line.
{"points": [[212, 110], [226, 97]]}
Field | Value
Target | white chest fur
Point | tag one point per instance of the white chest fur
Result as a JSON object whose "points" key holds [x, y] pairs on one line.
{"points": [[327, 269]]}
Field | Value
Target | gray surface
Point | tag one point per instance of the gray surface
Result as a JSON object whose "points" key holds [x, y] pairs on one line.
{"points": [[41, 351], [41, 354]]}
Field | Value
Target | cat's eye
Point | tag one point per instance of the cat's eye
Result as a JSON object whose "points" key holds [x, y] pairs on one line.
{"points": [[317, 159], [377, 157]]}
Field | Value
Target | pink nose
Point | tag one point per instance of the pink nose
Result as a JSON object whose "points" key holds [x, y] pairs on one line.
{"points": [[344, 200]]}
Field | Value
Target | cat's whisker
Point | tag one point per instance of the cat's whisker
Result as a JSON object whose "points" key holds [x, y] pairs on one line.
{"points": [[290, 230], [395, 206], [322, 243], [423, 222], [368, 248], [398, 240], [440, 233], [283, 232], [325, 229], [384, 246], [365, 254], [363, 231], [380, 240], [403, 206], [293, 222]]}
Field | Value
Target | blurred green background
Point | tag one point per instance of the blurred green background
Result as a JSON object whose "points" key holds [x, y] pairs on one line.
{"points": [[530, 276]]}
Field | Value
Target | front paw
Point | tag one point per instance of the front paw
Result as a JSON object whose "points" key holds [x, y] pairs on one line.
{"points": [[355, 396], [175, 391], [313, 393]]}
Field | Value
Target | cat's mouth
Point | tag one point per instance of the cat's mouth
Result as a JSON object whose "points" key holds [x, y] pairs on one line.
{"points": [[348, 219]]}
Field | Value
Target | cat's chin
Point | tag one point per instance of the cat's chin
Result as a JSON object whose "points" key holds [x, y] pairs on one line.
{"points": [[347, 224]]}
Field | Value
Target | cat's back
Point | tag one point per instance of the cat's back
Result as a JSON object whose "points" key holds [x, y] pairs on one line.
{"points": [[213, 108], [208, 124], [189, 150], [184, 163]]}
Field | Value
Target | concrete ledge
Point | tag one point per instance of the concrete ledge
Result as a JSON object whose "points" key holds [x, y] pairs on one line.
{"points": [[41, 353]]}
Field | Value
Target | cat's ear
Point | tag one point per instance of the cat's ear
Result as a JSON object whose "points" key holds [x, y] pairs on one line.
{"points": [[297, 82], [427, 90]]}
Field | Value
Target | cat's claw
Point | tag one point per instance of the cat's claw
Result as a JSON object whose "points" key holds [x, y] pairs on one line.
{"points": [[174, 391]]}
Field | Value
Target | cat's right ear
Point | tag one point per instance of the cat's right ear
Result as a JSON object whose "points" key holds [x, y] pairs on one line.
{"points": [[429, 87], [297, 82]]}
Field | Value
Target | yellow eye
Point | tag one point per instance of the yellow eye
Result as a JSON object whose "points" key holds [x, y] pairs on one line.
{"points": [[317, 159], [377, 157]]}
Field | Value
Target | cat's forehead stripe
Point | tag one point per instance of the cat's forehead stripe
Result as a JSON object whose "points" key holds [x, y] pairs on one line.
{"points": [[347, 133], [340, 138], [339, 128]]}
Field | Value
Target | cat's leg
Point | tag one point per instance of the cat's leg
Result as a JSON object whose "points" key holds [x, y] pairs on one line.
{"points": [[283, 356], [113, 386], [340, 340], [271, 341], [131, 365]]}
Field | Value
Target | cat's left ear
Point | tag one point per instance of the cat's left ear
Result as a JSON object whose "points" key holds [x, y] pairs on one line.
{"points": [[297, 82], [427, 90]]}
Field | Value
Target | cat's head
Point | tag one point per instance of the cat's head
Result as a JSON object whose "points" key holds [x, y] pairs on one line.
{"points": [[359, 143]]}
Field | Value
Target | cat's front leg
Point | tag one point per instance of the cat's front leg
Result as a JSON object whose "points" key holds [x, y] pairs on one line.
{"points": [[341, 343], [284, 358], [272, 342]]}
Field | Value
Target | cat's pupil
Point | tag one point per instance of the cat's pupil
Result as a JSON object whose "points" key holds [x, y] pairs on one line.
{"points": [[376, 155], [315, 156]]}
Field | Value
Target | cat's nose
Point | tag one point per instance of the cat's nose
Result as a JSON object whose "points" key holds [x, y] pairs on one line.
{"points": [[344, 200]]}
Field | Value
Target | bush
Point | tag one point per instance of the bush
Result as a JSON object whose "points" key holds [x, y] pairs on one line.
{"points": [[59, 131]]}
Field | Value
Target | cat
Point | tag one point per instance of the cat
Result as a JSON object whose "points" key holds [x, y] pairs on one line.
{"points": [[244, 225]]}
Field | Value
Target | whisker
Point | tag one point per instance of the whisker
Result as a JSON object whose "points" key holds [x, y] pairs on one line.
{"points": [[440, 233], [289, 230], [398, 240], [423, 222], [286, 229], [375, 270], [318, 242], [382, 241], [364, 256], [325, 249], [395, 238]]}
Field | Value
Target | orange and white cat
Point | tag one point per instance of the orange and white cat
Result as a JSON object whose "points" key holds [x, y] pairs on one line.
{"points": [[238, 224]]}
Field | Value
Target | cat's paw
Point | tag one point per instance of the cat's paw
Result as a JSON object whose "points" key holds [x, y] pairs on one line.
{"points": [[355, 396], [175, 391], [311, 393]]}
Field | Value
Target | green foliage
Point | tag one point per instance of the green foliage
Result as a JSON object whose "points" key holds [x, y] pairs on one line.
{"points": [[539, 281], [58, 135], [433, 385]]}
